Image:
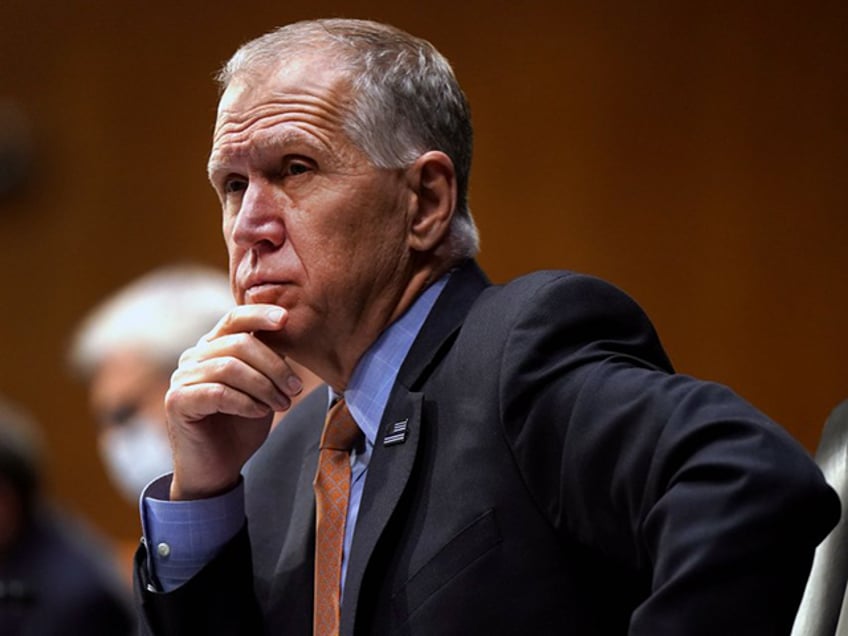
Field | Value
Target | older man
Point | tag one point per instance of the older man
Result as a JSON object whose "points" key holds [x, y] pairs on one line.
{"points": [[125, 350], [501, 460]]}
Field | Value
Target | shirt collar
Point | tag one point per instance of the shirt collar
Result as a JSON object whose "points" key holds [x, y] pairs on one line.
{"points": [[375, 373]]}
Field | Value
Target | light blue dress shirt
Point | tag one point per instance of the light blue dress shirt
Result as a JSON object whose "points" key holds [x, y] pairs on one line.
{"points": [[182, 536]]}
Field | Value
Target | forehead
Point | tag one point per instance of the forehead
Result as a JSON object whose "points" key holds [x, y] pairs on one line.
{"points": [[123, 373], [300, 96]]}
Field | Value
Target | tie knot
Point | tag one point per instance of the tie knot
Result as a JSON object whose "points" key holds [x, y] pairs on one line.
{"points": [[340, 429]]}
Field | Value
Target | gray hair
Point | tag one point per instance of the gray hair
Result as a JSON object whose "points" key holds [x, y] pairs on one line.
{"points": [[406, 99], [159, 315]]}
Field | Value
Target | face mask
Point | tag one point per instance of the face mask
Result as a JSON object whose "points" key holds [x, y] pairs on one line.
{"points": [[135, 453]]}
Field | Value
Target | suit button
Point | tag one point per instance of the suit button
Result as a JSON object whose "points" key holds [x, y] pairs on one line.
{"points": [[163, 549]]}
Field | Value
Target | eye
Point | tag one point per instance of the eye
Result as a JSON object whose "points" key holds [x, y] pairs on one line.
{"points": [[235, 185], [295, 166], [120, 415]]}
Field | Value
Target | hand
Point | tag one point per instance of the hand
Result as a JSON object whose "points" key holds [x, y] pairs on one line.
{"points": [[222, 399]]}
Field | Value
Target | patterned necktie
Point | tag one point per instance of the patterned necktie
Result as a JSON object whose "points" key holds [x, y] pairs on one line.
{"points": [[332, 489]]}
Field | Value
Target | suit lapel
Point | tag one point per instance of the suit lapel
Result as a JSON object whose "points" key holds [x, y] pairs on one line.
{"points": [[388, 473], [397, 441], [464, 286]]}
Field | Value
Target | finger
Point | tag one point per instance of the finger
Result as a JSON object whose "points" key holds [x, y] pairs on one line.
{"points": [[253, 352], [248, 318], [195, 402], [236, 374]]}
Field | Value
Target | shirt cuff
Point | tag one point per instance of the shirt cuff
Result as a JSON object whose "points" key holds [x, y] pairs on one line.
{"points": [[183, 536]]}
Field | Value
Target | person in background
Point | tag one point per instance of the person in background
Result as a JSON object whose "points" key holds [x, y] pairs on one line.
{"points": [[55, 575], [125, 350], [498, 459]]}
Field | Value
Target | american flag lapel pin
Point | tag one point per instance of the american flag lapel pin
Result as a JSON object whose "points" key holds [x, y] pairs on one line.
{"points": [[396, 434]]}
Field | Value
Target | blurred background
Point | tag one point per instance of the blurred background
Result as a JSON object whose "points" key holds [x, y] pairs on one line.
{"points": [[696, 157]]}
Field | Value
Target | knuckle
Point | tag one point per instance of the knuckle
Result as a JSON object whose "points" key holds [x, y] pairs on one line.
{"points": [[173, 396], [178, 373], [228, 322], [186, 356], [219, 395], [240, 340], [224, 366]]}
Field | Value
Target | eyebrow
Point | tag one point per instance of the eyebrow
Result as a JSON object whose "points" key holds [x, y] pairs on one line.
{"points": [[219, 159], [264, 141]]}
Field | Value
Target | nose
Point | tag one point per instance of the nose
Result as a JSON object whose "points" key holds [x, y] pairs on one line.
{"points": [[259, 221]]}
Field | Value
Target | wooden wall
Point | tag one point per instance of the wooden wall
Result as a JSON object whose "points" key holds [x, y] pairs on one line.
{"points": [[694, 156]]}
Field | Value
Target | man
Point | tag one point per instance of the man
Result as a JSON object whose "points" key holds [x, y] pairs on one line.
{"points": [[530, 463], [125, 350], [55, 576]]}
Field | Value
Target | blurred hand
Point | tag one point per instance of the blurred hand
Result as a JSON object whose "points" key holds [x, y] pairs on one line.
{"points": [[222, 399]]}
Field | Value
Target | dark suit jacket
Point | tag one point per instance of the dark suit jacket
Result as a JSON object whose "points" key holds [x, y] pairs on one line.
{"points": [[58, 579], [556, 478]]}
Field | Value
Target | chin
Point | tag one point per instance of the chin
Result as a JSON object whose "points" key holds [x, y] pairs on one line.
{"points": [[277, 340]]}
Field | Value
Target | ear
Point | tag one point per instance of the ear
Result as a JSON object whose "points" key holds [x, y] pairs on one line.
{"points": [[432, 179]]}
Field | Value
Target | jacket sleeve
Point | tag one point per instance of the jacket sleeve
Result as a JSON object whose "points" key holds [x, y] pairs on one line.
{"points": [[218, 601], [696, 492]]}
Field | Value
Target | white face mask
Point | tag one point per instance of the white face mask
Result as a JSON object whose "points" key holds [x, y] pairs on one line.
{"points": [[135, 453]]}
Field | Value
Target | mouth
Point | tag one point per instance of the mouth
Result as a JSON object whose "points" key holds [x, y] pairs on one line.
{"points": [[266, 292]]}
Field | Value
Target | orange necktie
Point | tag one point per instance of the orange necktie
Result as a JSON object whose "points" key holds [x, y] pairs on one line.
{"points": [[332, 490]]}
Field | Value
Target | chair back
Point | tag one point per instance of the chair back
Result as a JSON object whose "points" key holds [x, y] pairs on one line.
{"points": [[823, 610]]}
